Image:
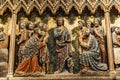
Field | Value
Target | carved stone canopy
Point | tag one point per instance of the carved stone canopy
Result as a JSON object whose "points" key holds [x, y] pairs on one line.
{"points": [[54, 5]]}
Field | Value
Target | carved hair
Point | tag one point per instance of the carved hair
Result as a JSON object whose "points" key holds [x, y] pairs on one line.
{"points": [[22, 22], [113, 28], [90, 21], [99, 21], [41, 27], [82, 21], [27, 25]]}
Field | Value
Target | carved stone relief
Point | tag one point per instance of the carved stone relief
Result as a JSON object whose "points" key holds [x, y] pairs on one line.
{"points": [[57, 46]]}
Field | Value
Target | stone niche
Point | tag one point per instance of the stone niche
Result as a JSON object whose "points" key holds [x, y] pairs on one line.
{"points": [[71, 23]]}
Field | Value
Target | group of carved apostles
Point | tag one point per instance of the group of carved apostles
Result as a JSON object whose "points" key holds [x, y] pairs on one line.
{"points": [[34, 57], [91, 45], [33, 54]]}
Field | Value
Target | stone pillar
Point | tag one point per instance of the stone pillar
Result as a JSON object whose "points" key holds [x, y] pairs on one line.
{"points": [[109, 41], [12, 46]]}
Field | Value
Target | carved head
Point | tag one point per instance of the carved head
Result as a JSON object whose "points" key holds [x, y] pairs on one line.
{"points": [[117, 30], [60, 21], [22, 24], [36, 29], [81, 23], [30, 25], [41, 25], [97, 22], [89, 23]]}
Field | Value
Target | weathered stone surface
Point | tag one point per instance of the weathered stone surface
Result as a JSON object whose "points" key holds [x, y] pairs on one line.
{"points": [[90, 75], [61, 78]]}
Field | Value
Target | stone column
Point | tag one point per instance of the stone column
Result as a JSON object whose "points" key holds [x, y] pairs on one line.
{"points": [[109, 41], [12, 46]]}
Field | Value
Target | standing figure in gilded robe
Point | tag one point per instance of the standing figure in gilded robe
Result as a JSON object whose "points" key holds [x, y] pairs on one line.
{"points": [[29, 55], [116, 45], [91, 57], [63, 48], [99, 34]]}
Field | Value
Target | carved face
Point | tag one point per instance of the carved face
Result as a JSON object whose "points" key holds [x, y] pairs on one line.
{"points": [[96, 22], [117, 30], [22, 25], [80, 24], [39, 31], [40, 24], [31, 26], [88, 23], [60, 22]]}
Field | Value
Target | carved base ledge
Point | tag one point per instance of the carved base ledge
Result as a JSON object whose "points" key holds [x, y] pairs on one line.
{"points": [[90, 75], [64, 78]]}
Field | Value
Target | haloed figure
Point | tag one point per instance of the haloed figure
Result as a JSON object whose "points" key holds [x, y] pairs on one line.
{"points": [[63, 50]]}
